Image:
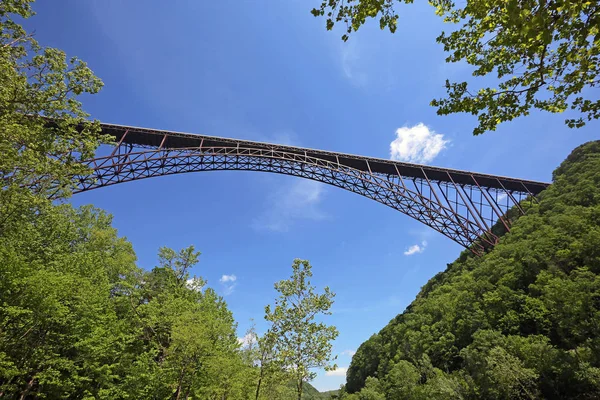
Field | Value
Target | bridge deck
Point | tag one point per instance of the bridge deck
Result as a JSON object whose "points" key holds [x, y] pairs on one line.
{"points": [[153, 138]]}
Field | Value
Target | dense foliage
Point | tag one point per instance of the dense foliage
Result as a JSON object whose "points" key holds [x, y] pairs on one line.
{"points": [[40, 82], [545, 53], [521, 322], [78, 318]]}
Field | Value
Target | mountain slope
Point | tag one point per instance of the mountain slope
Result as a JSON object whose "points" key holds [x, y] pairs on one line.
{"points": [[311, 393], [523, 321]]}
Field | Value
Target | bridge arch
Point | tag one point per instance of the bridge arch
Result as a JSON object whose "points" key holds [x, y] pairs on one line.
{"points": [[445, 200]]}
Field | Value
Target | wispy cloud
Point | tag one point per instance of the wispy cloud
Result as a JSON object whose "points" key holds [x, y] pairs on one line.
{"points": [[417, 144], [351, 66], [369, 64], [337, 372], [415, 249], [248, 339], [286, 137], [228, 282], [300, 200], [349, 353]]}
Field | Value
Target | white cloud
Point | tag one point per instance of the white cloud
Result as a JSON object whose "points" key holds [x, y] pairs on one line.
{"points": [[337, 372], [417, 144], [195, 284], [299, 200], [247, 339], [349, 353], [228, 278], [228, 283], [415, 249], [501, 197]]}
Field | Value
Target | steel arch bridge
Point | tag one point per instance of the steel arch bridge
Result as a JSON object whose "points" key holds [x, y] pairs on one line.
{"points": [[462, 205]]}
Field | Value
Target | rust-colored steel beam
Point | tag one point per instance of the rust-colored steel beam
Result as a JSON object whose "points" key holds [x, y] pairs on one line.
{"points": [[144, 153]]}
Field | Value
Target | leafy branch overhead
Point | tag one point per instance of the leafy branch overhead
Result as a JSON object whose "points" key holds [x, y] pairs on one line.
{"points": [[37, 82], [545, 54]]}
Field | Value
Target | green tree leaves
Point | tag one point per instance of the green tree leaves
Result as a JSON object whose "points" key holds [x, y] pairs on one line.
{"points": [[301, 341], [78, 318], [354, 13], [39, 160], [519, 322], [545, 55], [59, 324]]}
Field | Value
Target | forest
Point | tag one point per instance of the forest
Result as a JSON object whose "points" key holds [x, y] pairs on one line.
{"points": [[521, 322], [79, 318]]}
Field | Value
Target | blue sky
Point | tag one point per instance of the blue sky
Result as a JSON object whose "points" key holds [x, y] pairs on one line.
{"points": [[269, 71]]}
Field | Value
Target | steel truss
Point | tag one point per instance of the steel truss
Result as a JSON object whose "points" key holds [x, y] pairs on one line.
{"points": [[464, 212]]}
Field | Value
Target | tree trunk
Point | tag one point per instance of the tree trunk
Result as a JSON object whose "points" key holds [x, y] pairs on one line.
{"points": [[28, 388], [180, 382], [259, 382]]}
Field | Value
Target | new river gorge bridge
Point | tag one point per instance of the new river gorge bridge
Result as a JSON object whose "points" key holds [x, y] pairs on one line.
{"points": [[462, 205]]}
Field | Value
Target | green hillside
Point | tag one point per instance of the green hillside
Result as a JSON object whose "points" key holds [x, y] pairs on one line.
{"points": [[521, 322], [311, 393]]}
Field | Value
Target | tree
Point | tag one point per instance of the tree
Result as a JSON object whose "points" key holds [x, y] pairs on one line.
{"points": [[518, 322], [267, 361], [62, 321], [78, 318], [301, 341], [187, 334], [402, 381], [373, 391], [266, 378], [545, 53], [39, 159]]}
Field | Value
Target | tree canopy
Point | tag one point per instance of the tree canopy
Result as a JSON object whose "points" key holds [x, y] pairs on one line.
{"points": [[520, 322], [545, 54], [79, 319]]}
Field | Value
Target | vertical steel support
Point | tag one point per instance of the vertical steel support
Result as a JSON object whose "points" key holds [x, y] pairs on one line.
{"points": [[400, 177], [498, 213], [162, 142], [437, 199], [484, 232], [509, 194], [120, 142], [493, 198], [530, 194]]}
